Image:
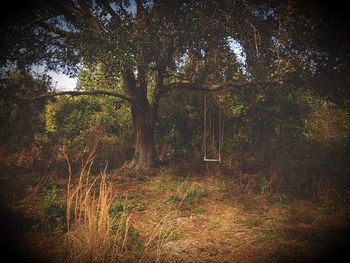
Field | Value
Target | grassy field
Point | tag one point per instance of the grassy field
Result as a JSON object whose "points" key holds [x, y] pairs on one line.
{"points": [[166, 216]]}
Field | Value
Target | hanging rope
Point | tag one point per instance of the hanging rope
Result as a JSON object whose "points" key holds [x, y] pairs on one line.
{"points": [[208, 118]]}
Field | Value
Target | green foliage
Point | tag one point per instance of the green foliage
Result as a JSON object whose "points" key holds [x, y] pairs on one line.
{"points": [[199, 210], [265, 186], [307, 135], [281, 199], [180, 124], [84, 123], [116, 207], [21, 120], [325, 122], [53, 209], [327, 208], [139, 206], [188, 194], [133, 237], [121, 205], [301, 132], [263, 120]]}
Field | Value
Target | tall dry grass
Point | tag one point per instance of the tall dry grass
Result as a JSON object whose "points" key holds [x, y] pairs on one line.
{"points": [[93, 235]]}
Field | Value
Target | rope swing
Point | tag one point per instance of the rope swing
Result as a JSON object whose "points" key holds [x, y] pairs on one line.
{"points": [[213, 130]]}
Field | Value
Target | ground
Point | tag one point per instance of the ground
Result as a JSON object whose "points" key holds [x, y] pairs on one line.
{"points": [[178, 216]]}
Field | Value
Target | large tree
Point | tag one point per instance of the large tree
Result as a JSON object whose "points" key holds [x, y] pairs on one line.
{"points": [[154, 47]]}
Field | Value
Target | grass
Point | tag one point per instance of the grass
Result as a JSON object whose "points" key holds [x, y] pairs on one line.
{"points": [[171, 218], [175, 217], [188, 194], [94, 231]]}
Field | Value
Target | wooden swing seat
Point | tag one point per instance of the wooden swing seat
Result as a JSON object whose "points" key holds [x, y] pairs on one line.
{"points": [[220, 131], [212, 160]]}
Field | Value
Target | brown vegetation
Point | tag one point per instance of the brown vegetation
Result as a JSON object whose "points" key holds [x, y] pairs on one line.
{"points": [[171, 217]]}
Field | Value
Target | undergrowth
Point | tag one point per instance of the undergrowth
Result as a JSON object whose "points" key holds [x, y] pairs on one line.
{"points": [[188, 194], [94, 234], [53, 209]]}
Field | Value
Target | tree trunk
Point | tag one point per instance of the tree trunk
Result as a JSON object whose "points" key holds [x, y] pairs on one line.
{"points": [[144, 118], [144, 124]]}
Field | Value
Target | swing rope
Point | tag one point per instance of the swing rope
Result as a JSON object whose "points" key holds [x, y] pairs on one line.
{"points": [[211, 129]]}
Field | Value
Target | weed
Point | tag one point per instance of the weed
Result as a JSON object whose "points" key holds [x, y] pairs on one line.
{"points": [[175, 199], [158, 186], [194, 194], [272, 233], [127, 234], [217, 222], [188, 194], [253, 223], [172, 235], [221, 186], [199, 210], [161, 233], [53, 210], [281, 199], [116, 207], [246, 202], [326, 208], [221, 198], [139, 206], [120, 205], [164, 183], [308, 235], [265, 186]]}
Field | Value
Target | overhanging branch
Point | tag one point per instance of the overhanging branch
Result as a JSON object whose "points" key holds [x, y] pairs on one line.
{"points": [[81, 93], [217, 87]]}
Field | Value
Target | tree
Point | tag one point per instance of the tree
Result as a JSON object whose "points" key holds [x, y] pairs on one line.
{"points": [[149, 46], [90, 125], [21, 122]]}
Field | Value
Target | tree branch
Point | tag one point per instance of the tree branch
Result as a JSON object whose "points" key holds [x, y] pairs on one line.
{"points": [[84, 6], [71, 13], [106, 5], [217, 87], [139, 8], [88, 13], [54, 29], [130, 83], [81, 93], [157, 93]]}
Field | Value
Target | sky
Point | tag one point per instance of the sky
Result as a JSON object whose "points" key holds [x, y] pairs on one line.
{"points": [[62, 81], [59, 80]]}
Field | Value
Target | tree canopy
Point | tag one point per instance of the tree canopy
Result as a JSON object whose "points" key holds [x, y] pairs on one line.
{"points": [[145, 49]]}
